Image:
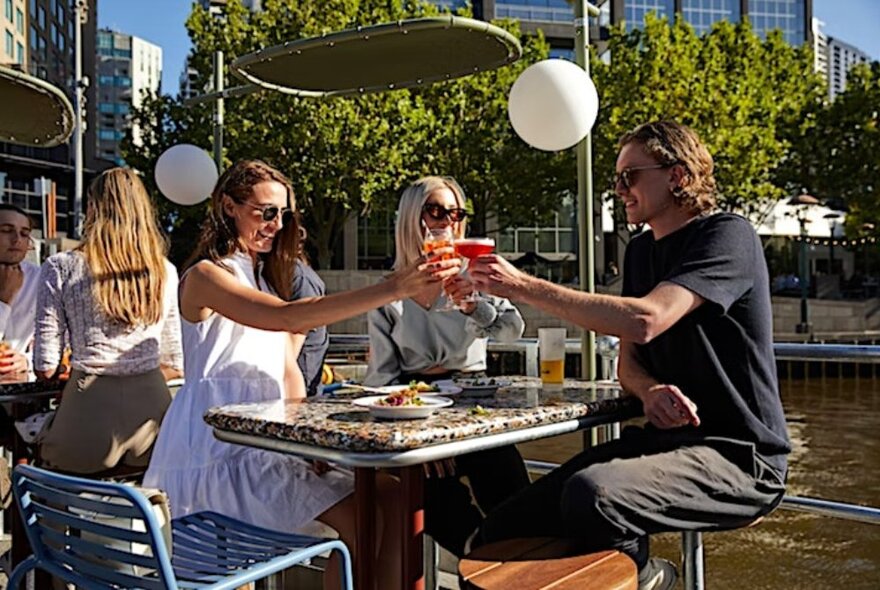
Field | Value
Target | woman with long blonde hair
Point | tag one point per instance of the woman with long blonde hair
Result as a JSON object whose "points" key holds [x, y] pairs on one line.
{"points": [[115, 299]]}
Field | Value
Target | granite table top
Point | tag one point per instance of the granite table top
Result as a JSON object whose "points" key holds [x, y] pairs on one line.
{"points": [[332, 422]]}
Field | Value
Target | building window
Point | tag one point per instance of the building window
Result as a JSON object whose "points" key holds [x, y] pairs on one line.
{"points": [[35, 39], [19, 21], [10, 43], [19, 53], [9, 10], [41, 17]]}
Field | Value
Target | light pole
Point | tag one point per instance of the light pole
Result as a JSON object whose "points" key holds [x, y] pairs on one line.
{"points": [[832, 225], [803, 202], [586, 230], [80, 83]]}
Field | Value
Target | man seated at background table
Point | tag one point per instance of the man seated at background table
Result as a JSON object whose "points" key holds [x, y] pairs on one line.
{"points": [[696, 347], [18, 290]]}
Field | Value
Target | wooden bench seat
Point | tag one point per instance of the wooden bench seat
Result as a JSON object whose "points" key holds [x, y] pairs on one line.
{"points": [[545, 563]]}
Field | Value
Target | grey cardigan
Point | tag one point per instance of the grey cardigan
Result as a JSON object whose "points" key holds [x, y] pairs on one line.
{"points": [[407, 338]]}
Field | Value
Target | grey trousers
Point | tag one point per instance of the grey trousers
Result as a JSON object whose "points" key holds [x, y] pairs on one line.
{"points": [[616, 494]]}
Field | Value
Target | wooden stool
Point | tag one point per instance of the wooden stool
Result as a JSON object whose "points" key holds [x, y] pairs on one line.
{"points": [[543, 563]]}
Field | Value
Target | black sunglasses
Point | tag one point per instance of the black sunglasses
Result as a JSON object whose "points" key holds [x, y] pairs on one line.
{"points": [[627, 178], [439, 212], [270, 212]]}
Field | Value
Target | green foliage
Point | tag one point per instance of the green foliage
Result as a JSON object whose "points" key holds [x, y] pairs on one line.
{"points": [[466, 134], [347, 156], [741, 94], [837, 152]]}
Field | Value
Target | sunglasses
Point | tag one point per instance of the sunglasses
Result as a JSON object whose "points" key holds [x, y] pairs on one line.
{"points": [[439, 212], [270, 212], [627, 178]]}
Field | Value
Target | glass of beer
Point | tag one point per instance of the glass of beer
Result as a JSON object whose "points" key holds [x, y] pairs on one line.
{"points": [[551, 350]]}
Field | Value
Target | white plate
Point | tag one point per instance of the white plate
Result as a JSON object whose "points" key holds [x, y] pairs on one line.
{"points": [[431, 403], [475, 387], [446, 388]]}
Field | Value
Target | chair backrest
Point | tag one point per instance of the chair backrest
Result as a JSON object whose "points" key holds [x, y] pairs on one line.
{"points": [[86, 531]]}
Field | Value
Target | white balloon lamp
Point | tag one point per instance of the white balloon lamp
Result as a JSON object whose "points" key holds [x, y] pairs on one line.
{"points": [[553, 104], [185, 174]]}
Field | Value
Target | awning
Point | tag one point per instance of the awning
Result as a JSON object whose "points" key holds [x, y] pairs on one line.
{"points": [[34, 112]]}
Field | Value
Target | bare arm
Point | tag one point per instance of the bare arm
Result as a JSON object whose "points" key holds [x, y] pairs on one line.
{"points": [[208, 288], [638, 319], [294, 383]]}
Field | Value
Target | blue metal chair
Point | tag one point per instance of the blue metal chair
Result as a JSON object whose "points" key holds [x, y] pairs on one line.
{"points": [[71, 524]]}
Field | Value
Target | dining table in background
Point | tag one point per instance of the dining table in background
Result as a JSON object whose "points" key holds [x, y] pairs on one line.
{"points": [[329, 428], [22, 398]]}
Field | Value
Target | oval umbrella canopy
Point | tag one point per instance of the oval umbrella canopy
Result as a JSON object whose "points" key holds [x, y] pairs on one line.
{"points": [[34, 112], [381, 57]]}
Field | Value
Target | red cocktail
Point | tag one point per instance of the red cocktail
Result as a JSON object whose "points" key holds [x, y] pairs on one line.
{"points": [[473, 247]]}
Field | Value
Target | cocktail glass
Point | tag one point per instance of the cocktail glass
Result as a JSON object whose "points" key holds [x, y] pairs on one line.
{"points": [[471, 248]]}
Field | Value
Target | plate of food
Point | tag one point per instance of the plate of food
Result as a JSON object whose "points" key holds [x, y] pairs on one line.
{"points": [[474, 386], [402, 404]]}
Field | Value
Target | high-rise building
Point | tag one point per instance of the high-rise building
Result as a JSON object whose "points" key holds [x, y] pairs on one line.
{"points": [[13, 27], [820, 48], [841, 57], [128, 69], [554, 17], [48, 53]]}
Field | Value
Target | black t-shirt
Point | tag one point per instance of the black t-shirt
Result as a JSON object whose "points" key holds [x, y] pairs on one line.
{"points": [[721, 354], [307, 283]]}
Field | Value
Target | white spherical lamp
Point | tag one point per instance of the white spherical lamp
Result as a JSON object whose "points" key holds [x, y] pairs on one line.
{"points": [[185, 174], [553, 105]]}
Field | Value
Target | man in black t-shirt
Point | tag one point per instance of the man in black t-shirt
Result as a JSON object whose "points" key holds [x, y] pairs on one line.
{"points": [[696, 347]]}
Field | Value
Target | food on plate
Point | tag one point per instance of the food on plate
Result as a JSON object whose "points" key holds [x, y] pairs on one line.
{"points": [[422, 387], [404, 397], [478, 410]]}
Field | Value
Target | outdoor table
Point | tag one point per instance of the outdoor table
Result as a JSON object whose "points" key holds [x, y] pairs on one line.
{"points": [[329, 428], [21, 395]]}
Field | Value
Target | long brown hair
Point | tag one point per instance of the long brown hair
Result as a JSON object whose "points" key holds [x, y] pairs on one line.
{"points": [[219, 236], [124, 248]]}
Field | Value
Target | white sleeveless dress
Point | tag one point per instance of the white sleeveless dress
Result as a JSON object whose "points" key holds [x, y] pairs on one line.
{"points": [[228, 363]]}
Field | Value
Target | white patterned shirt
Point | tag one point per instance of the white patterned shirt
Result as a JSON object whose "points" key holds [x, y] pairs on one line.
{"points": [[17, 317], [99, 345]]}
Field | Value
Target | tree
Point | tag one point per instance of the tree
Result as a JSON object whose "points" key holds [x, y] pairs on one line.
{"points": [[468, 136], [741, 94], [837, 152], [340, 153]]}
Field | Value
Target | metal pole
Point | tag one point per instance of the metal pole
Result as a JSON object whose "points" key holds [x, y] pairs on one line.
{"points": [[804, 327], [80, 10], [218, 110], [586, 244]]}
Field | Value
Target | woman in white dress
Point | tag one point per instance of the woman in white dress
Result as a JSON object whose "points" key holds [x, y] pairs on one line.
{"points": [[241, 340]]}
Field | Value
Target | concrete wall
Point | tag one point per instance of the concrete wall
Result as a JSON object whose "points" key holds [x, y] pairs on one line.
{"points": [[826, 316]]}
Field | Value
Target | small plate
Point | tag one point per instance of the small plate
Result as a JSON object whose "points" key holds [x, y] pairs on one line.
{"points": [[475, 387], [431, 403], [442, 388]]}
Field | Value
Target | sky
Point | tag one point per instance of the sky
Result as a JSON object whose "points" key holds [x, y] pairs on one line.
{"points": [[161, 22]]}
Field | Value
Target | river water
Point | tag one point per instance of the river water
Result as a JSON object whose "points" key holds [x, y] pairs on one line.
{"points": [[834, 424]]}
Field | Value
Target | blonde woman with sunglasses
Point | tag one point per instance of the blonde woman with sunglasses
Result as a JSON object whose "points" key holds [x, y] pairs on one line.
{"points": [[115, 298], [241, 339], [411, 339]]}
